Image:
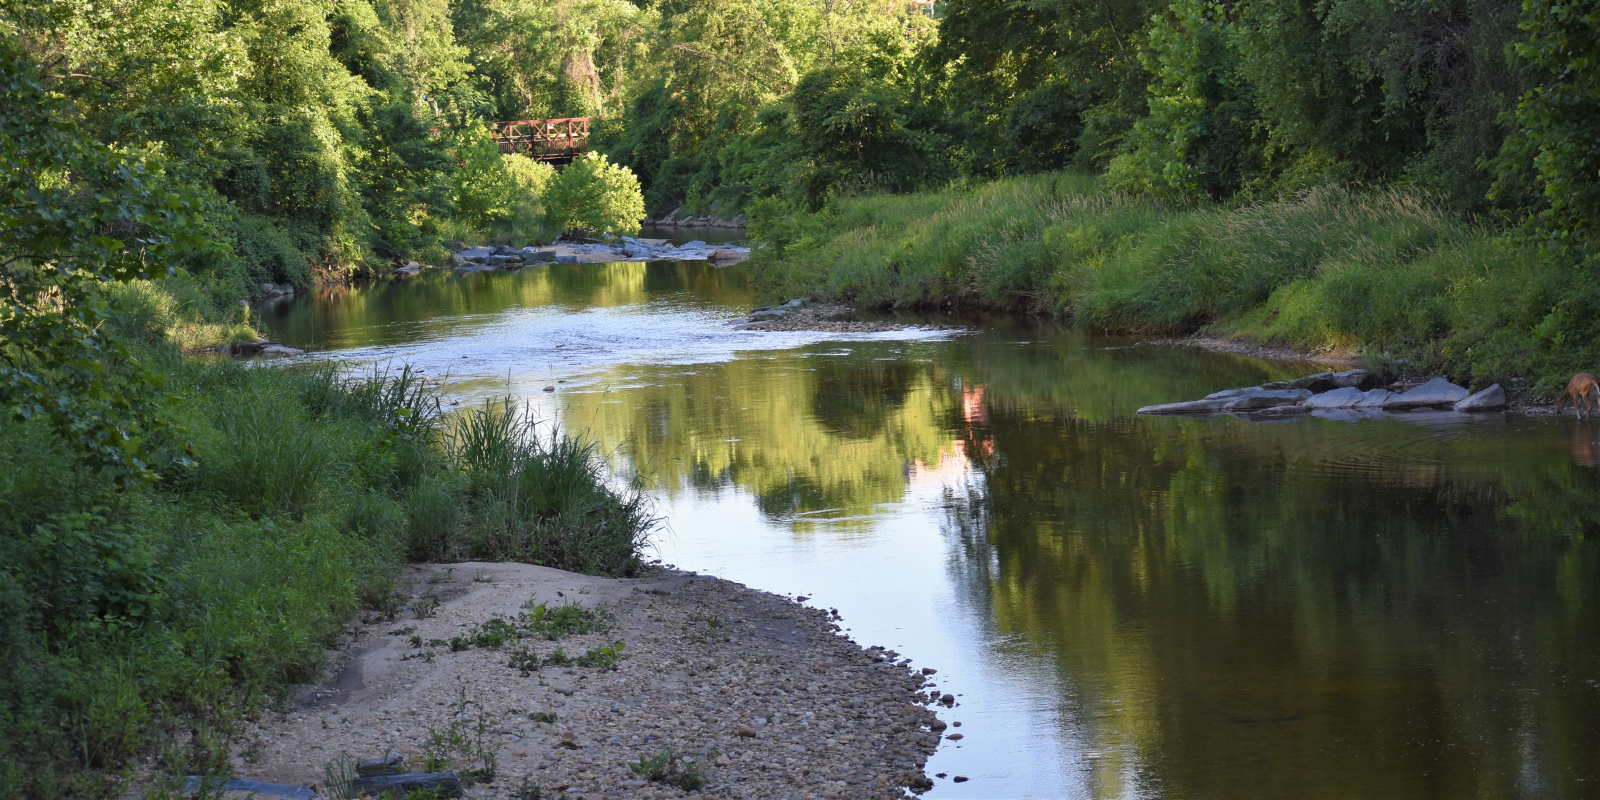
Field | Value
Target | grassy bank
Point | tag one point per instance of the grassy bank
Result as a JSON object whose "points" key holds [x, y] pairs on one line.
{"points": [[1384, 275], [145, 621]]}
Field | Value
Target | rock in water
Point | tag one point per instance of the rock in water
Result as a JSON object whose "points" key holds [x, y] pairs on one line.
{"points": [[1338, 398], [1356, 378], [194, 783], [1271, 398], [1374, 398], [440, 783], [1187, 407], [476, 253], [1490, 399], [1318, 383], [1437, 392]]}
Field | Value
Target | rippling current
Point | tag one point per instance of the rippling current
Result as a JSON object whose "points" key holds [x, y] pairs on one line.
{"points": [[1127, 607]]}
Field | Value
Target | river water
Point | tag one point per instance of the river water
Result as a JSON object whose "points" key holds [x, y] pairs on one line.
{"points": [[1126, 607]]}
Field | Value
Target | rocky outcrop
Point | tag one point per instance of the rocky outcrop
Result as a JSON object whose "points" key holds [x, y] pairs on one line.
{"points": [[1352, 394]]}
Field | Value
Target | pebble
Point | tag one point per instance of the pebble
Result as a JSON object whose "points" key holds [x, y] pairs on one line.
{"points": [[961, 779]]}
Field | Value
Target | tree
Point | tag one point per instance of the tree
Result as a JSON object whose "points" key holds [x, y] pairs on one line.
{"points": [[592, 194]]}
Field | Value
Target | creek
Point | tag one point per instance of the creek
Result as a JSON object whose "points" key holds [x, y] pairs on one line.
{"points": [[1125, 606]]}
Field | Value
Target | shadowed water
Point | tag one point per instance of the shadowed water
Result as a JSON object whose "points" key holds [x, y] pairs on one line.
{"points": [[1127, 606]]}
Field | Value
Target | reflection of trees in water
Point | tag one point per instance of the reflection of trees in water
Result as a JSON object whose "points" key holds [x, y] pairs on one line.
{"points": [[1248, 611], [815, 433]]}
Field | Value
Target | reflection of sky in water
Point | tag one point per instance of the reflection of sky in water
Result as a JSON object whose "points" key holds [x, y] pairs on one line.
{"points": [[1128, 607]]}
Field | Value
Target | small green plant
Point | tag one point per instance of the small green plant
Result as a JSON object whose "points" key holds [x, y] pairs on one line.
{"points": [[558, 658], [339, 776], [702, 628], [543, 716], [525, 660], [672, 769], [406, 631], [603, 657], [527, 789], [482, 576], [462, 744], [425, 605]]}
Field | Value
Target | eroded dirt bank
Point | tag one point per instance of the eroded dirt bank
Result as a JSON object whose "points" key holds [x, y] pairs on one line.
{"points": [[761, 693]]}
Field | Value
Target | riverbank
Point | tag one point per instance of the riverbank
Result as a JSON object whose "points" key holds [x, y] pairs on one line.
{"points": [[1384, 275], [753, 695], [144, 620]]}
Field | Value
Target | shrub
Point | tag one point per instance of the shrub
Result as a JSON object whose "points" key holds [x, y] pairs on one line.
{"points": [[591, 194]]}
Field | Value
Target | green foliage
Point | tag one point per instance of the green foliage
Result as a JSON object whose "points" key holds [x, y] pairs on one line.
{"points": [[539, 498], [1199, 140], [683, 772], [593, 195], [1376, 272], [1560, 119]]}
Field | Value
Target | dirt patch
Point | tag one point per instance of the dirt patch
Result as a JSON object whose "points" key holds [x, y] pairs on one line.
{"points": [[764, 696]]}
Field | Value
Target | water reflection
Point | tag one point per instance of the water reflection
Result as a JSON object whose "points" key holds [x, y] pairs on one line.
{"points": [[1130, 607]]}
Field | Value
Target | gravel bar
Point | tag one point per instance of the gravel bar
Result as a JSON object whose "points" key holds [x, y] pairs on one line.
{"points": [[766, 695]]}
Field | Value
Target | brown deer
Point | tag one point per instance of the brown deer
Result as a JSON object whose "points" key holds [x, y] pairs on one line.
{"points": [[1579, 389]]}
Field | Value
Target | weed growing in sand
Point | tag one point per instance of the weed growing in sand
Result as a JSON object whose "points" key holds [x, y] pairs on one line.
{"points": [[543, 716], [702, 628], [527, 790], [339, 776], [604, 657], [684, 772], [463, 744]]}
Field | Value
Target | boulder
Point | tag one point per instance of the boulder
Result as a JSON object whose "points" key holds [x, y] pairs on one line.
{"points": [[1358, 378], [1187, 407], [566, 259], [694, 245], [1490, 399], [1346, 397], [476, 253], [1266, 399], [1317, 384], [798, 302], [725, 254], [1374, 398], [1437, 392]]}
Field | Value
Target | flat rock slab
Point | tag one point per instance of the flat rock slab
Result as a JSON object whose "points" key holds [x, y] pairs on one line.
{"points": [[1346, 397], [1490, 399], [193, 783], [442, 783], [1437, 392], [1271, 398], [1210, 406]]}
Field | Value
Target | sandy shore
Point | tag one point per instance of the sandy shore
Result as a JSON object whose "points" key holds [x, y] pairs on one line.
{"points": [[765, 695]]}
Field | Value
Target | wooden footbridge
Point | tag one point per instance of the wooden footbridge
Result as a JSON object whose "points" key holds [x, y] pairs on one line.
{"points": [[557, 141]]}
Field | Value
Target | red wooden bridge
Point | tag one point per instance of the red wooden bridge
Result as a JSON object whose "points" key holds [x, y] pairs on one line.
{"points": [[554, 140]]}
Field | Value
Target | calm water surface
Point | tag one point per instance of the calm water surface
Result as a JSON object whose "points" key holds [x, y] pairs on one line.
{"points": [[1127, 607]]}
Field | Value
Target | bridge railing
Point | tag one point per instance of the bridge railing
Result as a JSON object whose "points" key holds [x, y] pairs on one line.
{"points": [[543, 139]]}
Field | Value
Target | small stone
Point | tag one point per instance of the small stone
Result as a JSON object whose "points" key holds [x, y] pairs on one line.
{"points": [[956, 737], [549, 388], [928, 670], [746, 731], [948, 699], [961, 779], [956, 724], [937, 725]]}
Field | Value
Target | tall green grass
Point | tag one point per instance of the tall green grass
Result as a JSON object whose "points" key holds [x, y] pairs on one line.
{"points": [[146, 622], [1382, 274]]}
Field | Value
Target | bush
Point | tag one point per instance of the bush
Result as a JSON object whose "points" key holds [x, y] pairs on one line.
{"points": [[593, 195]]}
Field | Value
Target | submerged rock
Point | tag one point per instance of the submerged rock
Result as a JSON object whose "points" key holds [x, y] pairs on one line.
{"points": [[1437, 392], [1207, 406], [1271, 398], [1490, 399]]}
